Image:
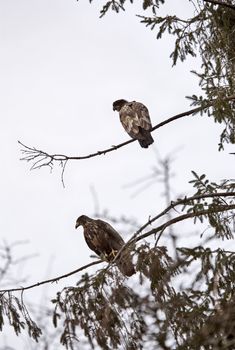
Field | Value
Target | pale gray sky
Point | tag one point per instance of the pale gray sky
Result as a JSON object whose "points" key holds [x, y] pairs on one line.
{"points": [[61, 67]]}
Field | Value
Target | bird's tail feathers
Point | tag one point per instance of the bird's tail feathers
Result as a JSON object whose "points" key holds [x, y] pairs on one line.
{"points": [[146, 140], [125, 265]]}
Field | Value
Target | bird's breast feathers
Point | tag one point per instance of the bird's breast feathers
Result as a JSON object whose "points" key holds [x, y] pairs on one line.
{"points": [[92, 233]]}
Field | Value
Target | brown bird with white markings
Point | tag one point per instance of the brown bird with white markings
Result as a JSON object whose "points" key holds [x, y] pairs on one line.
{"points": [[105, 241], [135, 119]]}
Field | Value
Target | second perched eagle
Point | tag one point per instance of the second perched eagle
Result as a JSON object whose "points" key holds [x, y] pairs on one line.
{"points": [[135, 119], [106, 242]]}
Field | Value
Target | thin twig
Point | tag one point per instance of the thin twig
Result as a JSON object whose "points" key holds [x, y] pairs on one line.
{"points": [[56, 279]]}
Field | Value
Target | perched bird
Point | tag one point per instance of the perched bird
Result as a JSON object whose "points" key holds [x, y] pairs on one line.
{"points": [[135, 119], [106, 242]]}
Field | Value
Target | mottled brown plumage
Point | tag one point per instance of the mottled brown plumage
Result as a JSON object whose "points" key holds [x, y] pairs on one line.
{"points": [[105, 241], [135, 119]]}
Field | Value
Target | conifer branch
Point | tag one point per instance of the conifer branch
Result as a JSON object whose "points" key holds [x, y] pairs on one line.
{"points": [[221, 3], [183, 201], [162, 227]]}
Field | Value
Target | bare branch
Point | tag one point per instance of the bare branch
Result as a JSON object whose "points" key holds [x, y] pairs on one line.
{"points": [[56, 279], [41, 158], [221, 3]]}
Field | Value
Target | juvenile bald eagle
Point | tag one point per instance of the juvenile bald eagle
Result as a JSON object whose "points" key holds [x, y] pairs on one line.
{"points": [[105, 242], [135, 119]]}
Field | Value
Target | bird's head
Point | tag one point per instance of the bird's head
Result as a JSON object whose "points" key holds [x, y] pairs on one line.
{"points": [[81, 220], [117, 105]]}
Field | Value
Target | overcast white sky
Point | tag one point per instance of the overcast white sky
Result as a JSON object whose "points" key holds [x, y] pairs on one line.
{"points": [[61, 67]]}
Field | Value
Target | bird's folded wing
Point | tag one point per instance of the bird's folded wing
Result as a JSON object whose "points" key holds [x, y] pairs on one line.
{"points": [[115, 240], [143, 115], [130, 120]]}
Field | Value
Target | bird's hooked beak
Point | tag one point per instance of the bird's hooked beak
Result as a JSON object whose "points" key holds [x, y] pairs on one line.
{"points": [[77, 225]]}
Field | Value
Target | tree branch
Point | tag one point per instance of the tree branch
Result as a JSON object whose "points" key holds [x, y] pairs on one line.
{"points": [[41, 158], [185, 200], [56, 279], [162, 227], [168, 223], [134, 238], [221, 3]]}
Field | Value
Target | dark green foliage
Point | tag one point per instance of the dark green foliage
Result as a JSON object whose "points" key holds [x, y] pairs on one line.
{"points": [[220, 221], [114, 5], [113, 315], [186, 39], [154, 264], [218, 326], [211, 34], [153, 4], [101, 308], [16, 313], [117, 5]]}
